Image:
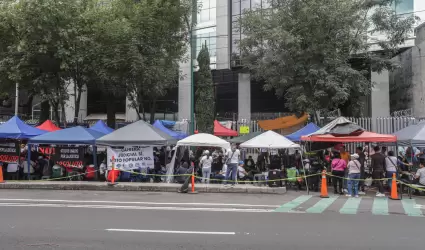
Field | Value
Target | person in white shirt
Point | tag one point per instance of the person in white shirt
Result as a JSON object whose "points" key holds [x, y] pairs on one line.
{"points": [[102, 170], [232, 160], [354, 167], [24, 166], [206, 162]]}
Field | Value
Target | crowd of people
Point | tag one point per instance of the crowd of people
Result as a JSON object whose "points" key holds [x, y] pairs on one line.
{"points": [[351, 172]]}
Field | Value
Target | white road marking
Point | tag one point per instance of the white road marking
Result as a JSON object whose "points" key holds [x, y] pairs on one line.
{"points": [[205, 209], [420, 206], [143, 203], [168, 232]]}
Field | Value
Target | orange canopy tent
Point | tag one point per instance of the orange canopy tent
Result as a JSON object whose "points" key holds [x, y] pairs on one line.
{"points": [[48, 125], [365, 136], [220, 130]]}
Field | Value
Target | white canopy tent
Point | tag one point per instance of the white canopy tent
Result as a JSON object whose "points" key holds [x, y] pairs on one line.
{"points": [[204, 140], [197, 140], [273, 140], [269, 140]]}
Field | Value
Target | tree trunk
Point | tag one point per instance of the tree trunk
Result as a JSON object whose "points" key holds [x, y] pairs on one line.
{"points": [[153, 110], [63, 115], [45, 111], [55, 109], [77, 100], [110, 111], [28, 105]]}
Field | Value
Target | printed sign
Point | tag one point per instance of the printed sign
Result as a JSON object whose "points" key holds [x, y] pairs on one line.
{"points": [[8, 152], [244, 129], [69, 156], [132, 157]]}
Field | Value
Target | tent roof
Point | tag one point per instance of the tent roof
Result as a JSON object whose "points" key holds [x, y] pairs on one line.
{"points": [[365, 136], [158, 124], [100, 126], [136, 133], [412, 135], [74, 135], [269, 139], [15, 128], [308, 129], [244, 138], [340, 126], [49, 126], [202, 139], [220, 130]]}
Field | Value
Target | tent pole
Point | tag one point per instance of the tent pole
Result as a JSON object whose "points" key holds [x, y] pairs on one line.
{"points": [[305, 173], [29, 161]]}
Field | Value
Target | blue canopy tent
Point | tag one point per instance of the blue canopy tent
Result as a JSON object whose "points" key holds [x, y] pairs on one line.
{"points": [[308, 129], [158, 124], [16, 129], [74, 135], [100, 126]]}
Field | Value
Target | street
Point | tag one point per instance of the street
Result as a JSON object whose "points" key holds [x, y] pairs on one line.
{"points": [[134, 220]]}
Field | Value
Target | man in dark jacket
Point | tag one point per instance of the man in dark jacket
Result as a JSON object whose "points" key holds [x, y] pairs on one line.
{"points": [[362, 160], [378, 167]]}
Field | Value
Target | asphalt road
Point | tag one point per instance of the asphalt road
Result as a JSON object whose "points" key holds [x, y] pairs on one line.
{"points": [[129, 220]]}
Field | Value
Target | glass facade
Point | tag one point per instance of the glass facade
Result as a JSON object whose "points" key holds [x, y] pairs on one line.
{"points": [[205, 30], [238, 8], [405, 7]]}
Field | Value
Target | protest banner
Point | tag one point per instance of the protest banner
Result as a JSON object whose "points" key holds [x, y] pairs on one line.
{"points": [[8, 152], [69, 156], [131, 157]]}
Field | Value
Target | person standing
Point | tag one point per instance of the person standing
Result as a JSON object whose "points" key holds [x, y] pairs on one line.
{"points": [[338, 169], [378, 166], [391, 167], [354, 167], [232, 160], [206, 163], [362, 160], [346, 157]]}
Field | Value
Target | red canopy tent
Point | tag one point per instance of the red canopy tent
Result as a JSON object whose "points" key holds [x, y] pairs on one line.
{"points": [[48, 125], [365, 136], [220, 130]]}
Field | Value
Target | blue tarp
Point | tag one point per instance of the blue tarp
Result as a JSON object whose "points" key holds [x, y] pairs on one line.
{"points": [[158, 124], [168, 124], [75, 135], [308, 129], [100, 126], [15, 128]]}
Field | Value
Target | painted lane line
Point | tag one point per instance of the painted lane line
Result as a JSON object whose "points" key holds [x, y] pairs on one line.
{"points": [[351, 206], [322, 205], [204, 209], [168, 231], [142, 203], [410, 208], [287, 207], [380, 206]]}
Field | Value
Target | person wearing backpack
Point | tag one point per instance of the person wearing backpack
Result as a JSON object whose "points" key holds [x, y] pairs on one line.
{"points": [[354, 167], [391, 167]]}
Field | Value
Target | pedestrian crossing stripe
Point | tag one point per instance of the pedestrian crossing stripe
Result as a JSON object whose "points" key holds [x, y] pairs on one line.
{"points": [[380, 205]]}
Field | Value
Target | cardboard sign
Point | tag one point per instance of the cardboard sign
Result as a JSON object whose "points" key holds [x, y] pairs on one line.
{"points": [[244, 130], [132, 157]]}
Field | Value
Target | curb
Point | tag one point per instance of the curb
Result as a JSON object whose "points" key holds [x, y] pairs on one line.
{"points": [[141, 187]]}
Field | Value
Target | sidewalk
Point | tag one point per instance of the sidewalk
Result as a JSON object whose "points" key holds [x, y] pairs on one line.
{"points": [[137, 186]]}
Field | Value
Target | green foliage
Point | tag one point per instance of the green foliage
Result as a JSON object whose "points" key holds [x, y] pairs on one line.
{"points": [[316, 53], [204, 94]]}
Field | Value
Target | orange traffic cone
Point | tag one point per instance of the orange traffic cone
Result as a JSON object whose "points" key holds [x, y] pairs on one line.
{"points": [[193, 184], [1, 174], [112, 172], [394, 194], [324, 188]]}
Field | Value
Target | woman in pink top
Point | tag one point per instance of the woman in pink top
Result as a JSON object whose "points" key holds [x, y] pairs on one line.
{"points": [[338, 170]]}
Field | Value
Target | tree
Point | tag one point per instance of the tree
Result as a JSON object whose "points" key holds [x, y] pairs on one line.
{"points": [[316, 53], [204, 94]]}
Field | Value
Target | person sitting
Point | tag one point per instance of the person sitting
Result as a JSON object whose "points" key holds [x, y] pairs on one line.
{"points": [[249, 163], [420, 174], [181, 172], [13, 171], [243, 175], [26, 169]]}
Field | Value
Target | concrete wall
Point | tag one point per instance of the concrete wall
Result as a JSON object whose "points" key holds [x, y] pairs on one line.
{"points": [[400, 81], [244, 96], [70, 104], [380, 97], [222, 31]]}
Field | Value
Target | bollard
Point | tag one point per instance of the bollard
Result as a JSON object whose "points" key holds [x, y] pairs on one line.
{"points": [[394, 194], [193, 183], [324, 187]]}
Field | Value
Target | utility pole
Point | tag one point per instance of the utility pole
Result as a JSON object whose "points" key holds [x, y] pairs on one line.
{"points": [[16, 99], [192, 82]]}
